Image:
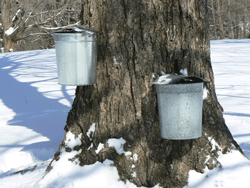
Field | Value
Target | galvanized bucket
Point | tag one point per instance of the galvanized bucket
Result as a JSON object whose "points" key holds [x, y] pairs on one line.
{"points": [[180, 110], [76, 56]]}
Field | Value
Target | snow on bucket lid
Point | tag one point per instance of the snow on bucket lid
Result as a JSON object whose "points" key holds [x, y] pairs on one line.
{"points": [[77, 29], [178, 79]]}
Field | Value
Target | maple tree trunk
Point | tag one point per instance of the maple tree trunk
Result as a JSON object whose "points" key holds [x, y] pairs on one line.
{"points": [[139, 40]]}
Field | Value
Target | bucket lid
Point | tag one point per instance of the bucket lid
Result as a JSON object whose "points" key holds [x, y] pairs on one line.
{"points": [[77, 29], [178, 79]]}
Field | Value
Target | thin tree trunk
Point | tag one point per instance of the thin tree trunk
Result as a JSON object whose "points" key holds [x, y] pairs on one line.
{"points": [[245, 20], [231, 29], [237, 21], [248, 31], [139, 40], [214, 20], [8, 43], [220, 12]]}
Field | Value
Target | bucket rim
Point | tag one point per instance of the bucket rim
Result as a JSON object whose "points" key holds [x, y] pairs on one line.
{"points": [[170, 79], [76, 30]]}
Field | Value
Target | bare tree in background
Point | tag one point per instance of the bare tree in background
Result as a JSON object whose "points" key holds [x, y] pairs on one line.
{"points": [[229, 19], [31, 20], [35, 21]]}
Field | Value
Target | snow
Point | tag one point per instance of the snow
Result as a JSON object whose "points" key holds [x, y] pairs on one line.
{"points": [[91, 131], [184, 72], [72, 141], [135, 157], [33, 112], [168, 78], [14, 17], [230, 61], [118, 143], [134, 174], [118, 60], [10, 30], [234, 173], [205, 92], [99, 148]]}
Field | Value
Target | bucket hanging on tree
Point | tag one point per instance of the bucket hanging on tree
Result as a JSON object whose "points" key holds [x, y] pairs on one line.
{"points": [[76, 56], [180, 101]]}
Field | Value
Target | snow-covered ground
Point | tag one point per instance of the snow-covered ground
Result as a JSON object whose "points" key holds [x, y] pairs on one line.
{"points": [[33, 112]]}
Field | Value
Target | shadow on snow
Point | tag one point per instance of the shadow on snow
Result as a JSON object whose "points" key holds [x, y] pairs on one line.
{"points": [[237, 114], [33, 110]]}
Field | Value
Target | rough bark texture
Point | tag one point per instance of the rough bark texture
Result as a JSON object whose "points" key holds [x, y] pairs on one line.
{"points": [[139, 40]]}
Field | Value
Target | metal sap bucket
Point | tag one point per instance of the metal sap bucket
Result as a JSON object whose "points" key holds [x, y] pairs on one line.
{"points": [[76, 56], [180, 107]]}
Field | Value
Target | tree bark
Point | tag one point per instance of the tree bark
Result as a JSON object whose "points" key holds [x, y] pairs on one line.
{"points": [[220, 13], [8, 43], [237, 22], [245, 20], [214, 20], [231, 28], [139, 40]]}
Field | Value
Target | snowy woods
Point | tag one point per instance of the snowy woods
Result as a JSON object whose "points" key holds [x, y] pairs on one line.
{"points": [[229, 19], [29, 24], [113, 126]]}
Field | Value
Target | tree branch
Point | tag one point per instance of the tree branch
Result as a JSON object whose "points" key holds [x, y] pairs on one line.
{"points": [[22, 26], [59, 28], [49, 19], [48, 33]]}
